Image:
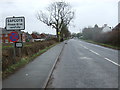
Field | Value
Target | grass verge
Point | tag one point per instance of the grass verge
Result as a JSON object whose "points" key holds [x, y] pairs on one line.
{"points": [[11, 46], [102, 44], [11, 69]]}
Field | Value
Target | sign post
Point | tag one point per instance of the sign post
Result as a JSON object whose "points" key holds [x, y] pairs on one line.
{"points": [[14, 37], [15, 24], [20, 41]]}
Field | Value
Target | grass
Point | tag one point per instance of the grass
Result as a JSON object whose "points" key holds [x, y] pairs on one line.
{"points": [[11, 46], [102, 44], [6, 47], [11, 69]]}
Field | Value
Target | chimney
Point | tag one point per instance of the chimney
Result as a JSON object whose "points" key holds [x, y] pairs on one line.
{"points": [[105, 25]]}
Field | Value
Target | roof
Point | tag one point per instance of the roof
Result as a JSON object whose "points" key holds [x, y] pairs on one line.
{"points": [[117, 27], [106, 29]]}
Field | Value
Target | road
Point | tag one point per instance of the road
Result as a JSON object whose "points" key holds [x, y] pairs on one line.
{"points": [[86, 65]]}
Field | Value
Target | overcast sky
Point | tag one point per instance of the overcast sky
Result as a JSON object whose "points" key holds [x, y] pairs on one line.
{"points": [[87, 13]]}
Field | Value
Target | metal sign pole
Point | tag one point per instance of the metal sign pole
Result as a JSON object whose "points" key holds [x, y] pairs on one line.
{"points": [[14, 53], [20, 40], [13, 37]]}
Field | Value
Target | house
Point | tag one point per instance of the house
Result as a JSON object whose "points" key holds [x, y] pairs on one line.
{"points": [[35, 36], [28, 37], [117, 27], [96, 29], [23, 37], [50, 36], [4, 36], [106, 28], [43, 35]]}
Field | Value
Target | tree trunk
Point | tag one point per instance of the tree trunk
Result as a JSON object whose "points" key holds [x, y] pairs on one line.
{"points": [[57, 30]]}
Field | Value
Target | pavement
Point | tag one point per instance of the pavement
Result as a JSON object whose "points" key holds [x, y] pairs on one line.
{"points": [[34, 74], [86, 65]]}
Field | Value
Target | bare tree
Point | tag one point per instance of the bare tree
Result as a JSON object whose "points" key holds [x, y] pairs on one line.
{"points": [[57, 15]]}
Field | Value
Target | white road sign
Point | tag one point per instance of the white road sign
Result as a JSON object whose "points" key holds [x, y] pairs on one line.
{"points": [[15, 23], [19, 44]]}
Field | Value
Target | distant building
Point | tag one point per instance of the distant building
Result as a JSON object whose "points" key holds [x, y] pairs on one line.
{"points": [[35, 36], [97, 29], [50, 36], [106, 28], [92, 32], [43, 35], [28, 37], [23, 37], [4, 36], [117, 27]]}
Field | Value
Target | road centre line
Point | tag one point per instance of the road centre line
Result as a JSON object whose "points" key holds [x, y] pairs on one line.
{"points": [[101, 56], [84, 46], [112, 61], [105, 58], [95, 52]]}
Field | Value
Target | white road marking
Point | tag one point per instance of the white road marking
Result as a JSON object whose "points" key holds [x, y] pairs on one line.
{"points": [[84, 47], [85, 58], [95, 52], [112, 61], [101, 56], [105, 58]]}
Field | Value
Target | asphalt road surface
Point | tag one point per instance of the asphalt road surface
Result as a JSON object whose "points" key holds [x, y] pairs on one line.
{"points": [[86, 65]]}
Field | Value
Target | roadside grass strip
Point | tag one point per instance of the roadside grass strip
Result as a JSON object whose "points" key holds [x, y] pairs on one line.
{"points": [[102, 44]]}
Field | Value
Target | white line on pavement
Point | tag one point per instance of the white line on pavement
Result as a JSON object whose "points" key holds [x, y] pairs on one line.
{"points": [[106, 58], [95, 52], [112, 61], [101, 56], [84, 47]]}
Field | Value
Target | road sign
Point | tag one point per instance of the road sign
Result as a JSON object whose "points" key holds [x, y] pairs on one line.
{"points": [[15, 23], [13, 36], [18, 44]]}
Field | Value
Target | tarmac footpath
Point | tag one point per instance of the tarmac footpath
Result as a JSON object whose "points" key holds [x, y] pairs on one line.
{"points": [[34, 74]]}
